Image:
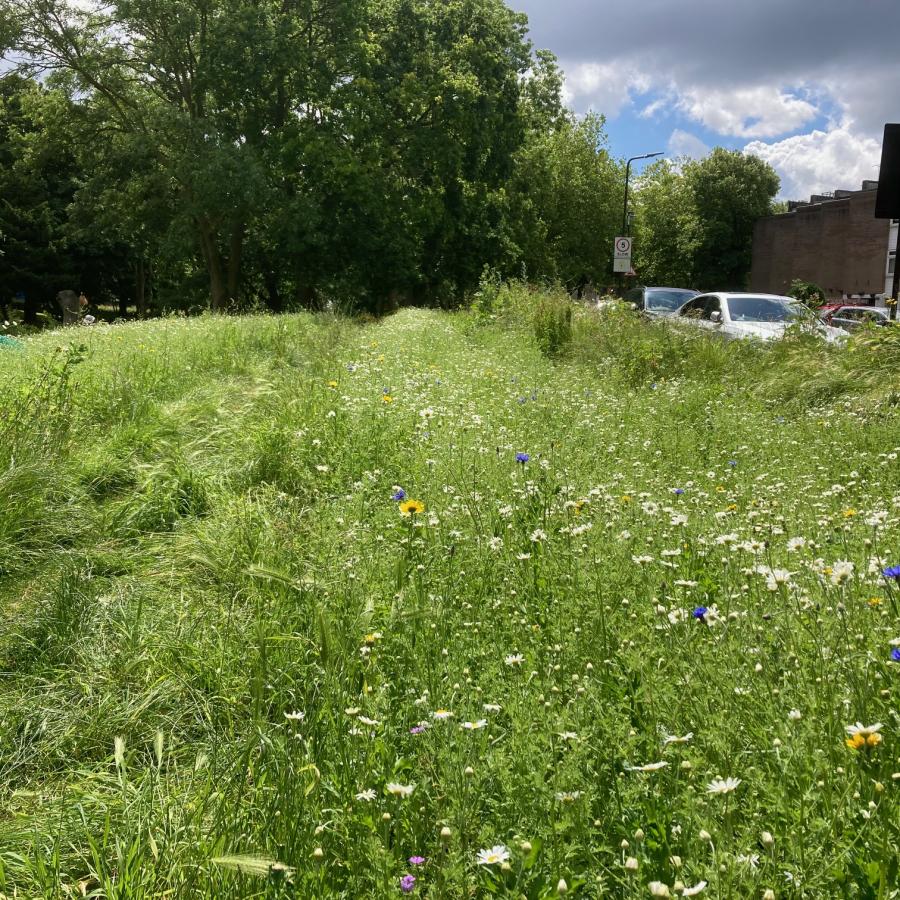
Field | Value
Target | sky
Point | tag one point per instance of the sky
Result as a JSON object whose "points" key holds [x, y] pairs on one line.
{"points": [[807, 85]]}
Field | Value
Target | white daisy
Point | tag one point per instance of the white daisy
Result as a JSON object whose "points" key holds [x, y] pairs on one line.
{"points": [[723, 785], [495, 856]]}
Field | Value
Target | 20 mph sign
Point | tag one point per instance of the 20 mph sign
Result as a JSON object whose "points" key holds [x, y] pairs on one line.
{"points": [[622, 254]]}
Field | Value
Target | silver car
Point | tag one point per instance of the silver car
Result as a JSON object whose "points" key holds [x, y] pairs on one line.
{"points": [[659, 301], [765, 317]]}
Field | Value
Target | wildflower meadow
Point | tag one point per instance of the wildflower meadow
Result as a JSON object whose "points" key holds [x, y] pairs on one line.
{"points": [[305, 607]]}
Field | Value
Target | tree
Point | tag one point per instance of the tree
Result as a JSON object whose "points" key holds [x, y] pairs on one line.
{"points": [[564, 198], [666, 227], [730, 191], [215, 88], [695, 219]]}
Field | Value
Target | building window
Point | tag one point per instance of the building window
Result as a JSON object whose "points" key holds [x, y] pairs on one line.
{"points": [[892, 261]]}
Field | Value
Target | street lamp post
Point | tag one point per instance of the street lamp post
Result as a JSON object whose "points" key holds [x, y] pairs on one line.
{"points": [[625, 208], [627, 175]]}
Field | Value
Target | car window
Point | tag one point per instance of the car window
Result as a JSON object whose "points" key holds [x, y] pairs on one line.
{"points": [[667, 299], [694, 309], [713, 304], [635, 295], [762, 309]]}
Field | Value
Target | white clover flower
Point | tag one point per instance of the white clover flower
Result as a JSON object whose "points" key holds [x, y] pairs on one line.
{"points": [[659, 889], [795, 715]]}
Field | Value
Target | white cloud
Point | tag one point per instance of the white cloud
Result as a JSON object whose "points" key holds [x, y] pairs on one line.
{"points": [[749, 112], [820, 161], [683, 143], [605, 88]]}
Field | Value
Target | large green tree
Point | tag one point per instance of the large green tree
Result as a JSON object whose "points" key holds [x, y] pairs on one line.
{"points": [[694, 219]]}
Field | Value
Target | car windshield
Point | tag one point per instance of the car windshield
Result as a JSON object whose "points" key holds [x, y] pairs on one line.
{"points": [[763, 309], [668, 299]]}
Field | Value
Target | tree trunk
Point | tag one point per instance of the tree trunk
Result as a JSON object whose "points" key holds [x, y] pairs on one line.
{"points": [[218, 296], [234, 262], [275, 302], [140, 288]]}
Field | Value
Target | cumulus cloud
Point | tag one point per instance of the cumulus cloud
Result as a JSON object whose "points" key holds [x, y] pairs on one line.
{"points": [[752, 112], [605, 88], [683, 143], [820, 161]]}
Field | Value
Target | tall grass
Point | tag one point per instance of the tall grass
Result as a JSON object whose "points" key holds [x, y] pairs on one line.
{"points": [[222, 641]]}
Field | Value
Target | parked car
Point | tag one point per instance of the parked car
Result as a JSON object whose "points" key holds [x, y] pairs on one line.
{"points": [[762, 316], [659, 301], [850, 318]]}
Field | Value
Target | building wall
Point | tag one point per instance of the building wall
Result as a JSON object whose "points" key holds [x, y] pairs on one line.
{"points": [[837, 244]]}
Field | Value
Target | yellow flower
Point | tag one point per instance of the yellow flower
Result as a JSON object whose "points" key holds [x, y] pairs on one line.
{"points": [[332, 384], [720, 489], [731, 507], [626, 498], [857, 742], [849, 513], [874, 601], [411, 507], [387, 398]]}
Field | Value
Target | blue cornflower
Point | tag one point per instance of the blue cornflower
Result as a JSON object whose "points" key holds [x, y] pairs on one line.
{"points": [[678, 491], [895, 654], [523, 399], [398, 495], [700, 612], [732, 463], [534, 395], [892, 572], [522, 458]]}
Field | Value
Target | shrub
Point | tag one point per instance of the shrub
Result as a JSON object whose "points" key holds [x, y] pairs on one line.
{"points": [[551, 319]]}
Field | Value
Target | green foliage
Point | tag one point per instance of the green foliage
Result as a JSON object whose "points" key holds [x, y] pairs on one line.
{"points": [[694, 222], [551, 319], [807, 292]]}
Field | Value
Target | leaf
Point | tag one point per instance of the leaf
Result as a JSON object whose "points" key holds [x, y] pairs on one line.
{"points": [[258, 866]]}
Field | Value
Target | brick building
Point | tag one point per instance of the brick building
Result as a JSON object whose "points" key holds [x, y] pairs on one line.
{"points": [[834, 241]]}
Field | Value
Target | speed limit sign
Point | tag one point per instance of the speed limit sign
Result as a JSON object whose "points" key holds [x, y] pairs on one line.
{"points": [[622, 254]]}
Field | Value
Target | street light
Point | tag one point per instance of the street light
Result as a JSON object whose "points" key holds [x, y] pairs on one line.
{"points": [[627, 174]]}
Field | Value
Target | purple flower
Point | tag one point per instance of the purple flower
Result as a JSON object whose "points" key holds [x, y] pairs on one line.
{"points": [[398, 495], [418, 729], [522, 458], [678, 491], [416, 860], [407, 883], [892, 572], [700, 612], [895, 654]]}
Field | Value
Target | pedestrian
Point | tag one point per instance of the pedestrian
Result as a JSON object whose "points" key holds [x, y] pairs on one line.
{"points": [[70, 303]]}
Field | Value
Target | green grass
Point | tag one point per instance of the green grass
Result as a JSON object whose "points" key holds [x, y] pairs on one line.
{"points": [[199, 539]]}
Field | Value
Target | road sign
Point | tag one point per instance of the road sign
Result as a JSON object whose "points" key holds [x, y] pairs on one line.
{"points": [[622, 254]]}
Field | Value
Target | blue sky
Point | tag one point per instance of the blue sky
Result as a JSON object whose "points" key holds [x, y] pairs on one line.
{"points": [[806, 85]]}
